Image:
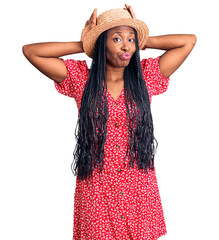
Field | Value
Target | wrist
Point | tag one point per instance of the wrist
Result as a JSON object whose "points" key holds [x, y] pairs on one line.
{"points": [[148, 42], [81, 46]]}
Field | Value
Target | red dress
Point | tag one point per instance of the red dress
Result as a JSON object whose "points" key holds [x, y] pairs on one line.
{"points": [[125, 203]]}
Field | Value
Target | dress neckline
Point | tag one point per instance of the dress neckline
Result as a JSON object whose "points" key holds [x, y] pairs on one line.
{"points": [[120, 95]]}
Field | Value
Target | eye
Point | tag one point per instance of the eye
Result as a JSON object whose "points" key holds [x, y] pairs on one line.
{"points": [[132, 40], [115, 39]]}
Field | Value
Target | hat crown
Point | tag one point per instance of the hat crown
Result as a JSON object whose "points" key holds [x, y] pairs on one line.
{"points": [[113, 15], [110, 19]]}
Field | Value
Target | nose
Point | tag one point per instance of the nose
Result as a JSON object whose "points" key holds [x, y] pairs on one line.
{"points": [[125, 47]]}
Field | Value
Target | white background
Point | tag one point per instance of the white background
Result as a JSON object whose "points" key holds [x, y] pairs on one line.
{"points": [[37, 123]]}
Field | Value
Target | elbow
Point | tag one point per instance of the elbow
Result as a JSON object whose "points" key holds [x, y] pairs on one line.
{"points": [[190, 42], [26, 50], [193, 39]]}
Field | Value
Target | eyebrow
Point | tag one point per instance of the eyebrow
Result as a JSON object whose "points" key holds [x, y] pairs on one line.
{"points": [[121, 32]]}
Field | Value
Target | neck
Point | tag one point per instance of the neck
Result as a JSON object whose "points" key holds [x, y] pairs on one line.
{"points": [[114, 74]]}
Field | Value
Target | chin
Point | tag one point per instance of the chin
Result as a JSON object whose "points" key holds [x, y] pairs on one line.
{"points": [[125, 63]]}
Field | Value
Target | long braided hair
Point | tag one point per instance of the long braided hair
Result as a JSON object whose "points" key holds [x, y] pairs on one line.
{"points": [[91, 127]]}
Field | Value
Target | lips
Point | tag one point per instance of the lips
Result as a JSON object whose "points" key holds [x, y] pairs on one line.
{"points": [[125, 56]]}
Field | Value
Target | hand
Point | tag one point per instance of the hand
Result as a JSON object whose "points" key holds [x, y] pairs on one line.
{"points": [[130, 9], [92, 22]]}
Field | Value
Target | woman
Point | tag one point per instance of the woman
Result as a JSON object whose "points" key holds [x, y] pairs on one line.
{"points": [[116, 195]]}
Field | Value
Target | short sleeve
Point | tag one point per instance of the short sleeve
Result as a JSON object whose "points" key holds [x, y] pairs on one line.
{"points": [[77, 74], [155, 82]]}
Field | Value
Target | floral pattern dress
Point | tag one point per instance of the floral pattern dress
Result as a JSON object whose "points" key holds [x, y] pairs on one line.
{"points": [[125, 202]]}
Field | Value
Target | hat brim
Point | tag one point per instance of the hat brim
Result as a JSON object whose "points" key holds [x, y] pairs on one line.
{"points": [[92, 36]]}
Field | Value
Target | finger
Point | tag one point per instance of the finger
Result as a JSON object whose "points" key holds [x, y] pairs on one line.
{"points": [[95, 13], [94, 16], [91, 15], [127, 7], [132, 12]]}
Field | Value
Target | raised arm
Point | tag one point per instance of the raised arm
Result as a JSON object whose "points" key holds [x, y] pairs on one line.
{"points": [[45, 56], [178, 48]]}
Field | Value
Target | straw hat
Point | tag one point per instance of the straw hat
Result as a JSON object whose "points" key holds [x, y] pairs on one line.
{"points": [[114, 18]]}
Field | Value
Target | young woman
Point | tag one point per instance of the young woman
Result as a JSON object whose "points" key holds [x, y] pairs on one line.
{"points": [[116, 195]]}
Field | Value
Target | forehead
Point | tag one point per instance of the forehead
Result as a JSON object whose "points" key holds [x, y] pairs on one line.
{"points": [[120, 29]]}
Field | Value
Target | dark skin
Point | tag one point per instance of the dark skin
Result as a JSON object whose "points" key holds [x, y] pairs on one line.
{"points": [[119, 40], [178, 48], [45, 56]]}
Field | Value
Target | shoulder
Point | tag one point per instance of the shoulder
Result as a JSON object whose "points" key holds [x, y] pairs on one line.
{"points": [[77, 75], [76, 66], [154, 80], [151, 67], [148, 64]]}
